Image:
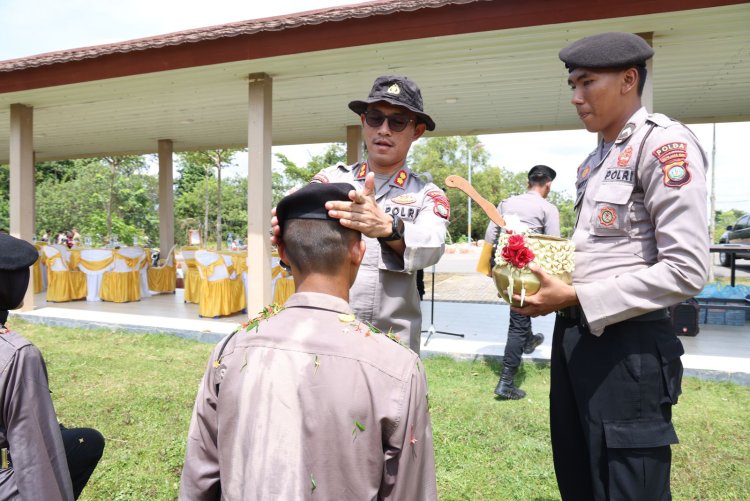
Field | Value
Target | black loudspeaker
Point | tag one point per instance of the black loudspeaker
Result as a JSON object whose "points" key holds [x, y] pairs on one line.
{"points": [[685, 317]]}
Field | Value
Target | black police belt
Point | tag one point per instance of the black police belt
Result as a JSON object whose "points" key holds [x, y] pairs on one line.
{"points": [[575, 314]]}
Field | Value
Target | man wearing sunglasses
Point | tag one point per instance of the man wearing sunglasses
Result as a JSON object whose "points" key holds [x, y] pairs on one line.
{"points": [[402, 218]]}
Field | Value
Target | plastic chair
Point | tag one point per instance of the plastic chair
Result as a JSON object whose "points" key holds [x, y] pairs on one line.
{"points": [[192, 279], [94, 263], [63, 284], [222, 292], [163, 278], [123, 284]]}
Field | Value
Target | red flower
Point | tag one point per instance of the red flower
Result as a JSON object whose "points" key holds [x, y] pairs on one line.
{"points": [[523, 257], [516, 242]]}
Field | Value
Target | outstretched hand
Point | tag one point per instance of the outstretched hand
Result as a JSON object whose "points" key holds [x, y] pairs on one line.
{"points": [[553, 295], [362, 213]]}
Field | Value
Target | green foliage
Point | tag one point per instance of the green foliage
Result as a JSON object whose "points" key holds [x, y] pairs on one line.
{"points": [[190, 206], [4, 197], [297, 176], [724, 219], [139, 393]]}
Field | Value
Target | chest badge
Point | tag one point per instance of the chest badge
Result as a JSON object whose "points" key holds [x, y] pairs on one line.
{"points": [[405, 199], [607, 216], [625, 156]]}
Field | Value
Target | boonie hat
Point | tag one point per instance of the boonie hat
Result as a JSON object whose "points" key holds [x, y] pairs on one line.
{"points": [[542, 171], [606, 50], [398, 91]]}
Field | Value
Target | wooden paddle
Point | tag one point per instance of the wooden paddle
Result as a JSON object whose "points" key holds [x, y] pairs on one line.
{"points": [[487, 206]]}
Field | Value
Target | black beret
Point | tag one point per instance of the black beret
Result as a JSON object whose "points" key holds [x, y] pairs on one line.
{"points": [[16, 254], [309, 202], [606, 50], [542, 171], [398, 91]]}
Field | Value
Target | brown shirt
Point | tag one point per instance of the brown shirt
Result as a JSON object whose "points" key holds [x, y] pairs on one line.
{"points": [[28, 426], [311, 405]]}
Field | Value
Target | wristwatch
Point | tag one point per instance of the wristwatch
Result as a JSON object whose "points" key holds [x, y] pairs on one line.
{"points": [[397, 230]]}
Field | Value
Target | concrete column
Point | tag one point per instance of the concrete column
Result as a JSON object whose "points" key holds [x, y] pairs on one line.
{"points": [[166, 197], [22, 181], [259, 193], [353, 144], [647, 98]]}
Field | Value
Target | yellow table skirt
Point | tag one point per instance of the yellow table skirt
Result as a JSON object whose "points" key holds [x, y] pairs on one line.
{"points": [[283, 289], [162, 279], [121, 287], [36, 270], [221, 297], [192, 285], [65, 286]]}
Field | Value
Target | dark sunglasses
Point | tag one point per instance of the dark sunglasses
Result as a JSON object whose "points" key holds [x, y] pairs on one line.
{"points": [[396, 122]]}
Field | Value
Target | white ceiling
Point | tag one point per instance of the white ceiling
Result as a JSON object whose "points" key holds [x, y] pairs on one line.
{"points": [[507, 80]]}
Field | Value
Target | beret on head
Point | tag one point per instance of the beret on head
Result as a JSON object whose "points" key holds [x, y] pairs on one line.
{"points": [[542, 171], [606, 50], [309, 202], [16, 254]]}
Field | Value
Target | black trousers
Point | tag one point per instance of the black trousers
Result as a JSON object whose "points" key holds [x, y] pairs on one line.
{"points": [[611, 403], [519, 331], [83, 449]]}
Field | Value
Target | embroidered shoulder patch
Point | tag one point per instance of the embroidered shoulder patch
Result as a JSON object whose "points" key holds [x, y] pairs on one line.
{"points": [[674, 164], [442, 207]]}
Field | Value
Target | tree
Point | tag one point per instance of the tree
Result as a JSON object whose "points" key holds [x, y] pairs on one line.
{"points": [[443, 156], [119, 166], [293, 175], [4, 197], [209, 160], [724, 219]]}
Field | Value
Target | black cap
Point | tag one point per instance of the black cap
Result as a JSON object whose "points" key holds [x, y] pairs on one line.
{"points": [[542, 171], [16, 254], [398, 91], [309, 202], [606, 50]]}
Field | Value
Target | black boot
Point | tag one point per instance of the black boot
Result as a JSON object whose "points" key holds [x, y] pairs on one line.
{"points": [[505, 388], [532, 342]]}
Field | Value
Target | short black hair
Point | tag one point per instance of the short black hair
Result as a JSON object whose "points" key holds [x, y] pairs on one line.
{"points": [[642, 73], [317, 245], [539, 180]]}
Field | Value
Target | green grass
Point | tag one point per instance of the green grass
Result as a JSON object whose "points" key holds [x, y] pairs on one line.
{"points": [[138, 390]]}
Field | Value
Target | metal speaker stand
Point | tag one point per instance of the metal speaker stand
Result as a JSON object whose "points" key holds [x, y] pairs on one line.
{"points": [[431, 330]]}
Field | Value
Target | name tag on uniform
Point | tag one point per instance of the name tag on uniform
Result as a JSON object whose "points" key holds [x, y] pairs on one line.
{"points": [[407, 213], [619, 176]]}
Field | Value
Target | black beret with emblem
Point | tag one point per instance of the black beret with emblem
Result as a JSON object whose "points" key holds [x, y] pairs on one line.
{"points": [[398, 91], [309, 202], [607, 50], [542, 171], [16, 254]]}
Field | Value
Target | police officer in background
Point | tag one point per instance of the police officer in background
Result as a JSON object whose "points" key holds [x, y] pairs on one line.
{"points": [[540, 216], [403, 219], [39, 458], [641, 246]]}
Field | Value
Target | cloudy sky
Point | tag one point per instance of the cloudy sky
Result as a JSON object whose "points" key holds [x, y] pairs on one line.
{"points": [[30, 27]]}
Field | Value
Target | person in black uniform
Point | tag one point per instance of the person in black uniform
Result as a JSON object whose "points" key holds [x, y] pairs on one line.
{"points": [[641, 245], [39, 458]]}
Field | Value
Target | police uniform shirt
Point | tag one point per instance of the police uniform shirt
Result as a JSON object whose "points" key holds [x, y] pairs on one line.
{"points": [[533, 210], [311, 405], [28, 426], [641, 233], [385, 291]]}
